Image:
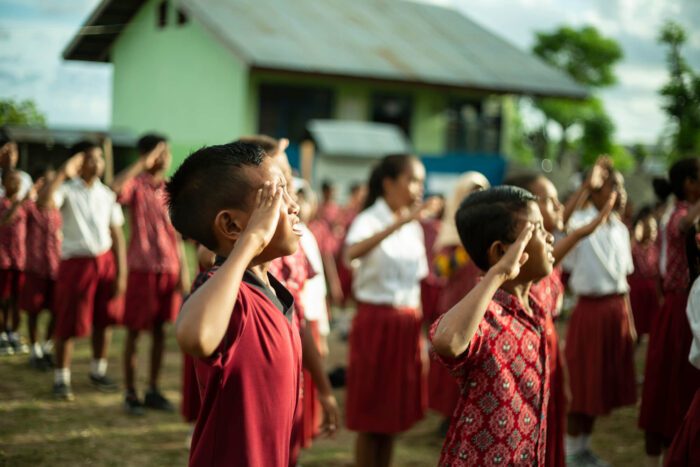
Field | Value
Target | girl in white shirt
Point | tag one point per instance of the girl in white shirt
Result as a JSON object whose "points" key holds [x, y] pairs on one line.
{"points": [[386, 379]]}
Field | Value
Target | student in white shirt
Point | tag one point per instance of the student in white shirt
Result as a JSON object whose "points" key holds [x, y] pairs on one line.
{"points": [[92, 274], [386, 376], [600, 337]]}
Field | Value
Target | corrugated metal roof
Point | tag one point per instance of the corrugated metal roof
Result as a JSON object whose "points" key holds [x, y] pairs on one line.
{"points": [[394, 40], [358, 139]]}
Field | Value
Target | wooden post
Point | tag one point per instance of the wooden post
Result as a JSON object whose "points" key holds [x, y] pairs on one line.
{"points": [[109, 160], [306, 160]]}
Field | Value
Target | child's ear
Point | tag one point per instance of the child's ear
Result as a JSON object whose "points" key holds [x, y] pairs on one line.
{"points": [[496, 252], [229, 224]]}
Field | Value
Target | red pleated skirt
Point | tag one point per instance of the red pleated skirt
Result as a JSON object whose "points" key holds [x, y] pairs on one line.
{"points": [[190, 391], [644, 299], [600, 356], [387, 372], [685, 449], [670, 381], [311, 415], [556, 409], [429, 298], [443, 391]]}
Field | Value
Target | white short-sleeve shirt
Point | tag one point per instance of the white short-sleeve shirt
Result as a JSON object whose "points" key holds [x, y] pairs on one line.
{"points": [[601, 262], [25, 184], [314, 292], [693, 312], [88, 213], [390, 274]]}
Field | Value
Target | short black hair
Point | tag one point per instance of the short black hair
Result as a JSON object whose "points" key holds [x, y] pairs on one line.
{"points": [[269, 144], [4, 137], [82, 146], [149, 141], [681, 171], [208, 181], [644, 212], [488, 216], [326, 185]]}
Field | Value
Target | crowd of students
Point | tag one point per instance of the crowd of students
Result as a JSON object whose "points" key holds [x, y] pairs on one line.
{"points": [[456, 302]]}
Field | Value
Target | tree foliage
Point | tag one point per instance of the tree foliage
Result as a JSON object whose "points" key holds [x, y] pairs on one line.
{"points": [[20, 113], [681, 94], [589, 59]]}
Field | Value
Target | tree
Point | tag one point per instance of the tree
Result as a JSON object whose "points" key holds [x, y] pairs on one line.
{"points": [[681, 94], [20, 113], [589, 59]]}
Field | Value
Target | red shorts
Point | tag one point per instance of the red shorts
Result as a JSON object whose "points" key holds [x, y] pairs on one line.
{"points": [[83, 297], [37, 293], [151, 298], [11, 282]]}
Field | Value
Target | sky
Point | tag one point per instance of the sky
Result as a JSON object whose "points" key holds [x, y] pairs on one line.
{"points": [[33, 34]]}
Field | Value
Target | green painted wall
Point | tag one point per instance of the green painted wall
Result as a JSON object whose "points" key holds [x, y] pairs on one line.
{"points": [[177, 80]]}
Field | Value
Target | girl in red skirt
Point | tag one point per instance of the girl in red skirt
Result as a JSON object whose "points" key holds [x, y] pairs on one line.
{"points": [[600, 338], [670, 382], [549, 293], [386, 377], [453, 265], [644, 281]]}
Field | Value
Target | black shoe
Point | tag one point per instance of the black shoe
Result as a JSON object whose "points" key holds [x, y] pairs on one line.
{"points": [[155, 400], [133, 406], [48, 360], [103, 383], [38, 363], [62, 392]]}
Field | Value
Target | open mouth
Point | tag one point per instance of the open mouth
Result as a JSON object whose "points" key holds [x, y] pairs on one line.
{"points": [[296, 227]]}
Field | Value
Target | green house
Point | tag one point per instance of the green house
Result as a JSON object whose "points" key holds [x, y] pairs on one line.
{"points": [[208, 71]]}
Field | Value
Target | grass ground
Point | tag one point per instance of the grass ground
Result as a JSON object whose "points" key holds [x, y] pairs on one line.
{"points": [[35, 430]]}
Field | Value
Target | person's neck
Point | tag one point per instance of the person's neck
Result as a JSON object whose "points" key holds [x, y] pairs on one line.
{"points": [[260, 271], [89, 182], [393, 205], [521, 291]]}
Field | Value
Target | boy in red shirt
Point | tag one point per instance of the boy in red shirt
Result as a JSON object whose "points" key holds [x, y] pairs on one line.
{"points": [[493, 340], [240, 323], [156, 266], [43, 256], [13, 254]]}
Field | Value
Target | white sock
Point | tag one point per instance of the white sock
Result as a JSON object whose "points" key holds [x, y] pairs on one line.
{"points": [[573, 444], [61, 375], [586, 442], [37, 351], [4, 337], [653, 461], [98, 366], [48, 346]]}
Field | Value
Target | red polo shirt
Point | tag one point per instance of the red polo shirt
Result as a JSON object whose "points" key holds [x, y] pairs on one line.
{"points": [[250, 386], [43, 240]]}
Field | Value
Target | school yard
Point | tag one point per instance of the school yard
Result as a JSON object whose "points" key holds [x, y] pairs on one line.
{"points": [[35, 430]]}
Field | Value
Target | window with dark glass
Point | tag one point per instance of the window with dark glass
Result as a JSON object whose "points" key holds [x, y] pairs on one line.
{"points": [[163, 14], [181, 17], [396, 109], [473, 126], [286, 110]]}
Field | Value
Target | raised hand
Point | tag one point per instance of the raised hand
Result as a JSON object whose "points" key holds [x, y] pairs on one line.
{"points": [[263, 221], [602, 216], [72, 166], [509, 264], [599, 172], [424, 210], [150, 159]]}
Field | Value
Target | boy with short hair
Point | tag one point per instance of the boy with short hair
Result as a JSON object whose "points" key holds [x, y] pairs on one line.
{"points": [[240, 322], [92, 274], [493, 340], [156, 266], [13, 254]]}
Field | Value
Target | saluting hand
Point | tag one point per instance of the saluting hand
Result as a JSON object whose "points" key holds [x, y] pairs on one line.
{"points": [[73, 165], [266, 214], [509, 264], [150, 159], [602, 216]]}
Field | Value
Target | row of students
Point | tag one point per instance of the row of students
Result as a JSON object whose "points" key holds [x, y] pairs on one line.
{"points": [[76, 262]]}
